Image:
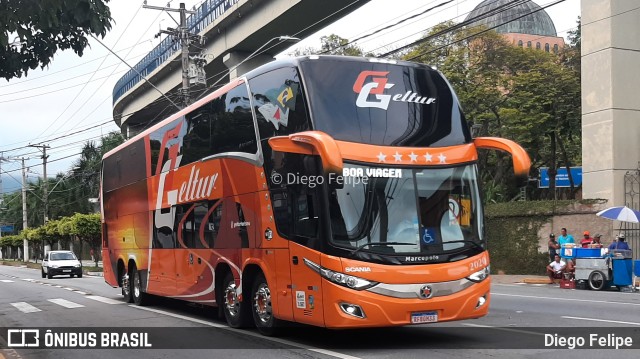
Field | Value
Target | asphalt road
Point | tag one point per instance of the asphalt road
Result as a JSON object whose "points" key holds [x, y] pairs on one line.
{"points": [[520, 315]]}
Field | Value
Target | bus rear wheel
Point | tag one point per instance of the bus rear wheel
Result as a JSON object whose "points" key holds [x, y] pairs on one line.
{"points": [[262, 310], [236, 312], [126, 288], [139, 297]]}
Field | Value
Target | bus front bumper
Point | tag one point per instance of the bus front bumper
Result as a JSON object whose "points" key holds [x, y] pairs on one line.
{"points": [[352, 309]]}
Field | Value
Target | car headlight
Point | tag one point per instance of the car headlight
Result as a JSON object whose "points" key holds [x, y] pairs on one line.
{"points": [[480, 275], [342, 279], [53, 266], [77, 265]]}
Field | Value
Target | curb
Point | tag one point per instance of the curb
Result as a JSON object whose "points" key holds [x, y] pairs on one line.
{"points": [[95, 274], [536, 281]]}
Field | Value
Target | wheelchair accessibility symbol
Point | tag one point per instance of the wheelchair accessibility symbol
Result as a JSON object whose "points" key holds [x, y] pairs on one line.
{"points": [[428, 236]]}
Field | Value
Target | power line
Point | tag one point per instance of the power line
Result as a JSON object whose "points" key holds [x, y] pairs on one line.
{"points": [[458, 26], [72, 67], [388, 26], [483, 31], [96, 91], [99, 66]]}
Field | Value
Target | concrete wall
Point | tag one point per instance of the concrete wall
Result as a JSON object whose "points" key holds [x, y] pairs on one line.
{"points": [[610, 103]]}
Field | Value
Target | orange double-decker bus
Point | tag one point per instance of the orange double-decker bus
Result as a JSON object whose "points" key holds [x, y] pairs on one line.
{"points": [[334, 191]]}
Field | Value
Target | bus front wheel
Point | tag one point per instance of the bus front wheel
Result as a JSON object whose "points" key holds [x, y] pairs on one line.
{"points": [[235, 311], [262, 311]]}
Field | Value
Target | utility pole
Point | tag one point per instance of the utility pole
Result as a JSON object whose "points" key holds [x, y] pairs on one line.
{"points": [[25, 243], [182, 34], [45, 184]]}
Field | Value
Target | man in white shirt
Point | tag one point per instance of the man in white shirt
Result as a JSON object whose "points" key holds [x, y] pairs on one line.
{"points": [[556, 268]]}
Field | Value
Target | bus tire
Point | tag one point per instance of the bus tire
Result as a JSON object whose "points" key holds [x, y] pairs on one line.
{"points": [[261, 307], [236, 312], [597, 280], [139, 297], [126, 287]]}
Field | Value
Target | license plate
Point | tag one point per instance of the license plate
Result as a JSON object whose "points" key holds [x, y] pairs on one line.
{"points": [[66, 271], [424, 317]]}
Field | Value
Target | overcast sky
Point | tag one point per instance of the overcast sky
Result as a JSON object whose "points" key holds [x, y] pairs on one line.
{"points": [[74, 93]]}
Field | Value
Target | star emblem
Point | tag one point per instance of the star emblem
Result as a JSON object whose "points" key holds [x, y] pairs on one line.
{"points": [[443, 158], [414, 157], [381, 157], [428, 157], [398, 157]]}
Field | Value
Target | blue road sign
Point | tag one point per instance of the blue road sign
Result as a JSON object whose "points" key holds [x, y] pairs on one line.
{"points": [[6, 228], [562, 179]]}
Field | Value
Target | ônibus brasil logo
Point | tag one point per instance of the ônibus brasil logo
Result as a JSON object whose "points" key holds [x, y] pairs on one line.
{"points": [[379, 82]]}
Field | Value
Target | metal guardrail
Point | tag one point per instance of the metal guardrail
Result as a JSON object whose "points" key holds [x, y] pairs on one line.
{"points": [[209, 11]]}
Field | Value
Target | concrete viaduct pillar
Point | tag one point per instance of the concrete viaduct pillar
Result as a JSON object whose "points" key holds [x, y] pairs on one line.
{"points": [[610, 96]]}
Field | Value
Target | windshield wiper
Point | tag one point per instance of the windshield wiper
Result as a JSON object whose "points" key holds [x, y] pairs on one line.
{"points": [[476, 244], [382, 244]]}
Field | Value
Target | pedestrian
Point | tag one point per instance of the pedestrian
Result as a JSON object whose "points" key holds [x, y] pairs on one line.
{"points": [[596, 241], [556, 268], [91, 254], [565, 240], [587, 240], [620, 244], [553, 246]]}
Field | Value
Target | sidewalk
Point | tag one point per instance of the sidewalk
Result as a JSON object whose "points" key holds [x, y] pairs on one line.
{"points": [[512, 279]]}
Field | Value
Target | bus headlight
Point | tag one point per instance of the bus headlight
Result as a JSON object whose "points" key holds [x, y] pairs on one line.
{"points": [[345, 280], [480, 275]]}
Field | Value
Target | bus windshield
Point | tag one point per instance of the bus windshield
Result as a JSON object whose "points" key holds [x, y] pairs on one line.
{"points": [[417, 211]]}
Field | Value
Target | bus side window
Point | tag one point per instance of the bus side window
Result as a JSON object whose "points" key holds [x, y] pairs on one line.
{"points": [[306, 215], [212, 225], [282, 211]]}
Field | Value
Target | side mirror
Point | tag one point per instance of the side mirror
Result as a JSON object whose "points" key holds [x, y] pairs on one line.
{"points": [[521, 160], [311, 143]]}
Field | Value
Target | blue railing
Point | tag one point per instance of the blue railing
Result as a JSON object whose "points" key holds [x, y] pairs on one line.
{"points": [[205, 15]]}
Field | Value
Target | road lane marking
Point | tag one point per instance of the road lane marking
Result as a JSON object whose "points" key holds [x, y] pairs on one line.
{"points": [[65, 303], [67, 288], [564, 299], [25, 307], [244, 332], [601, 320], [80, 292], [6, 281], [104, 299], [503, 329]]}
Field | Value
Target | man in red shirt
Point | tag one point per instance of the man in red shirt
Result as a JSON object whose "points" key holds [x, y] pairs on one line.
{"points": [[586, 241]]}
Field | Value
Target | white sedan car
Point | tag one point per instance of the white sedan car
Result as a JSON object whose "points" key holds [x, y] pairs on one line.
{"points": [[61, 263]]}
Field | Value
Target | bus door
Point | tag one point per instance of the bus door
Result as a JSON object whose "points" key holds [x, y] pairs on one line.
{"points": [[190, 254], [306, 284]]}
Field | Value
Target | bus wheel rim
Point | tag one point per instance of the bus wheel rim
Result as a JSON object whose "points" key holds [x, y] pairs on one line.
{"points": [[231, 300], [125, 284], [136, 286], [262, 303]]}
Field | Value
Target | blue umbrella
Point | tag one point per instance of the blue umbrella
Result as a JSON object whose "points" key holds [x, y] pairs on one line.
{"points": [[623, 214]]}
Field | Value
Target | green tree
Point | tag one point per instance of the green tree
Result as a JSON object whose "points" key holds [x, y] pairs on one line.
{"points": [[31, 31], [88, 228], [332, 45]]}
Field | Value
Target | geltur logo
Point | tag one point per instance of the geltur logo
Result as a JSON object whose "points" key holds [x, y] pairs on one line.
{"points": [[378, 83]]}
